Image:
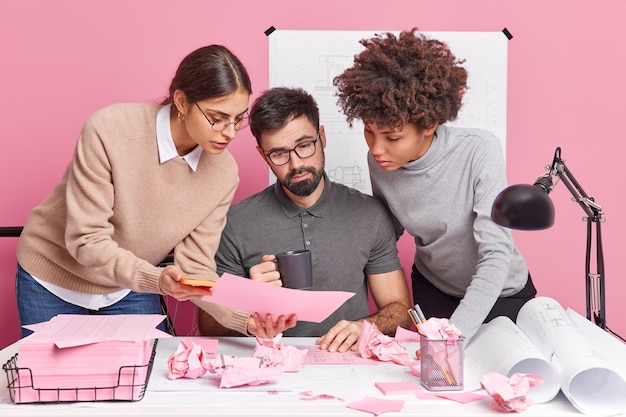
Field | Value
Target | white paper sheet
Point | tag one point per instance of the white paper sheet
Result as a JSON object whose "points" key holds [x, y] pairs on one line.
{"points": [[329, 52], [587, 379], [548, 341]]}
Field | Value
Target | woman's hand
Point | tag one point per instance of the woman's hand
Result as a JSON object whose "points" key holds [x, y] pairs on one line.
{"points": [[169, 284]]}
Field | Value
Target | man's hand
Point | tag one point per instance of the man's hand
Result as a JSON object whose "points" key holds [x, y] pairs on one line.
{"points": [[266, 271], [342, 337], [266, 328]]}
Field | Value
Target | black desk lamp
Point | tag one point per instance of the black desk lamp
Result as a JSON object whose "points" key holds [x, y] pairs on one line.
{"points": [[528, 207]]}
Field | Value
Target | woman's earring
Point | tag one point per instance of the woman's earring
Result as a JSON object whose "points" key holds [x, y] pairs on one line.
{"points": [[180, 117]]}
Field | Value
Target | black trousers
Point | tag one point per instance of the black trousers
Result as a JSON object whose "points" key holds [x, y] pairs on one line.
{"points": [[435, 303]]}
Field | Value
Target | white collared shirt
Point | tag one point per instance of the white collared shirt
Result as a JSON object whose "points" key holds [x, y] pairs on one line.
{"points": [[167, 149]]}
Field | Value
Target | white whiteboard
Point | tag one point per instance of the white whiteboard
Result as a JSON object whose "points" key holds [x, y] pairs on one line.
{"points": [[310, 59]]}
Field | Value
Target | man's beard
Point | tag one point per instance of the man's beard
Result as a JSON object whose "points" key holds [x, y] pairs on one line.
{"points": [[306, 187]]}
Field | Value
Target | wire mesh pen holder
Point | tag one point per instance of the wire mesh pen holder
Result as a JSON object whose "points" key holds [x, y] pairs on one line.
{"points": [[441, 364]]}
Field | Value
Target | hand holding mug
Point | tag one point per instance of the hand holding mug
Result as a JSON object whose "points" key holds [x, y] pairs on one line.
{"points": [[266, 271], [295, 268]]}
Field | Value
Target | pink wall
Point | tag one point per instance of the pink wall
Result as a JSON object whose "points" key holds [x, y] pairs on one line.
{"points": [[64, 59]]}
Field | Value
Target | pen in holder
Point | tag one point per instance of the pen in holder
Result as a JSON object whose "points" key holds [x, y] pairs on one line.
{"points": [[441, 364]]}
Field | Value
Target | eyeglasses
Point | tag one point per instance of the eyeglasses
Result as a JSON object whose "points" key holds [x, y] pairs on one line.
{"points": [[221, 124], [303, 150]]}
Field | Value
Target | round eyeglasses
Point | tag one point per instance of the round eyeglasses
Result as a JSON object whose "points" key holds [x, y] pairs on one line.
{"points": [[302, 150], [221, 124]]}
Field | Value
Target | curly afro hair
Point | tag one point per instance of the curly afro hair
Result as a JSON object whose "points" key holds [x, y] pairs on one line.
{"points": [[408, 79]]}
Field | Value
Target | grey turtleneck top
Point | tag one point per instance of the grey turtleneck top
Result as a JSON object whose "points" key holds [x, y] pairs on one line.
{"points": [[443, 200]]}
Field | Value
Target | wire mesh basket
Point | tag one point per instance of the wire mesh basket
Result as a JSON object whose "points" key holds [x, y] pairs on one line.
{"points": [[131, 384]]}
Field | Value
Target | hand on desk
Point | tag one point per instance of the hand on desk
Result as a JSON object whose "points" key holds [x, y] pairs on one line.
{"points": [[342, 337], [266, 328]]}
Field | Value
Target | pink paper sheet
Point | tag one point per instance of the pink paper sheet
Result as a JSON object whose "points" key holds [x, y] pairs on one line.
{"points": [[86, 358], [317, 356], [70, 330], [252, 296]]}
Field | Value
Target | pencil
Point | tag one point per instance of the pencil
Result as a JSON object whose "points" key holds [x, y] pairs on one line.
{"points": [[420, 313], [449, 378], [414, 317], [422, 318]]}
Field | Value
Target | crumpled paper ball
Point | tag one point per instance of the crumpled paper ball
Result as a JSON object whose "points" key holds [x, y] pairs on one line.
{"points": [[271, 352], [270, 359], [439, 329], [509, 394], [235, 372], [189, 361], [373, 343]]}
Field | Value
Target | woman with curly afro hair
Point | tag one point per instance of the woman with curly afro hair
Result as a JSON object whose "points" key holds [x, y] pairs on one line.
{"points": [[438, 181]]}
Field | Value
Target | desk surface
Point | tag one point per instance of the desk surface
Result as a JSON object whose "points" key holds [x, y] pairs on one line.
{"points": [[343, 383]]}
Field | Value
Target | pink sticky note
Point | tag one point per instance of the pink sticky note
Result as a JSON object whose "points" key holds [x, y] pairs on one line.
{"points": [[377, 406], [399, 388], [252, 296]]}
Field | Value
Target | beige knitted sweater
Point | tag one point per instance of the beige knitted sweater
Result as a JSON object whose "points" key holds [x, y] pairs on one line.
{"points": [[117, 212]]}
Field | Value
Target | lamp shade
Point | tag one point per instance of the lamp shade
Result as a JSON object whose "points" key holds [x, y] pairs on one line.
{"points": [[523, 207]]}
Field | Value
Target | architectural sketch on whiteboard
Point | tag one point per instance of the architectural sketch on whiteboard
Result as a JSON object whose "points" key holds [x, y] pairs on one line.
{"points": [[311, 59]]}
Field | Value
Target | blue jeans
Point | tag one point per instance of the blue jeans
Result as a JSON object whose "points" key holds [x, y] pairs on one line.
{"points": [[35, 304]]}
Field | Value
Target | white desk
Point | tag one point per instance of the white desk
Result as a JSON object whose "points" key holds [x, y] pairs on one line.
{"points": [[203, 397]]}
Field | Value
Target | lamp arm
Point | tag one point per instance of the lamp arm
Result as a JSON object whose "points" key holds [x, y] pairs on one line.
{"points": [[10, 231], [590, 207], [594, 283]]}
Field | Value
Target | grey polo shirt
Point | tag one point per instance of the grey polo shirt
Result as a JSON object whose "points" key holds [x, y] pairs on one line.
{"points": [[349, 233]]}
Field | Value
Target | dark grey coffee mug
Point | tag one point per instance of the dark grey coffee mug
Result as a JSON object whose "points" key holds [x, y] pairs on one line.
{"points": [[295, 268]]}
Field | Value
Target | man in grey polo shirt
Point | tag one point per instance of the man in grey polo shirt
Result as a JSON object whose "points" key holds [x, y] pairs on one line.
{"points": [[349, 234]]}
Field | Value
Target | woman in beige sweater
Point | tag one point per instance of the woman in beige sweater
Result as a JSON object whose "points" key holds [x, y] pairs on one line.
{"points": [[144, 178]]}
